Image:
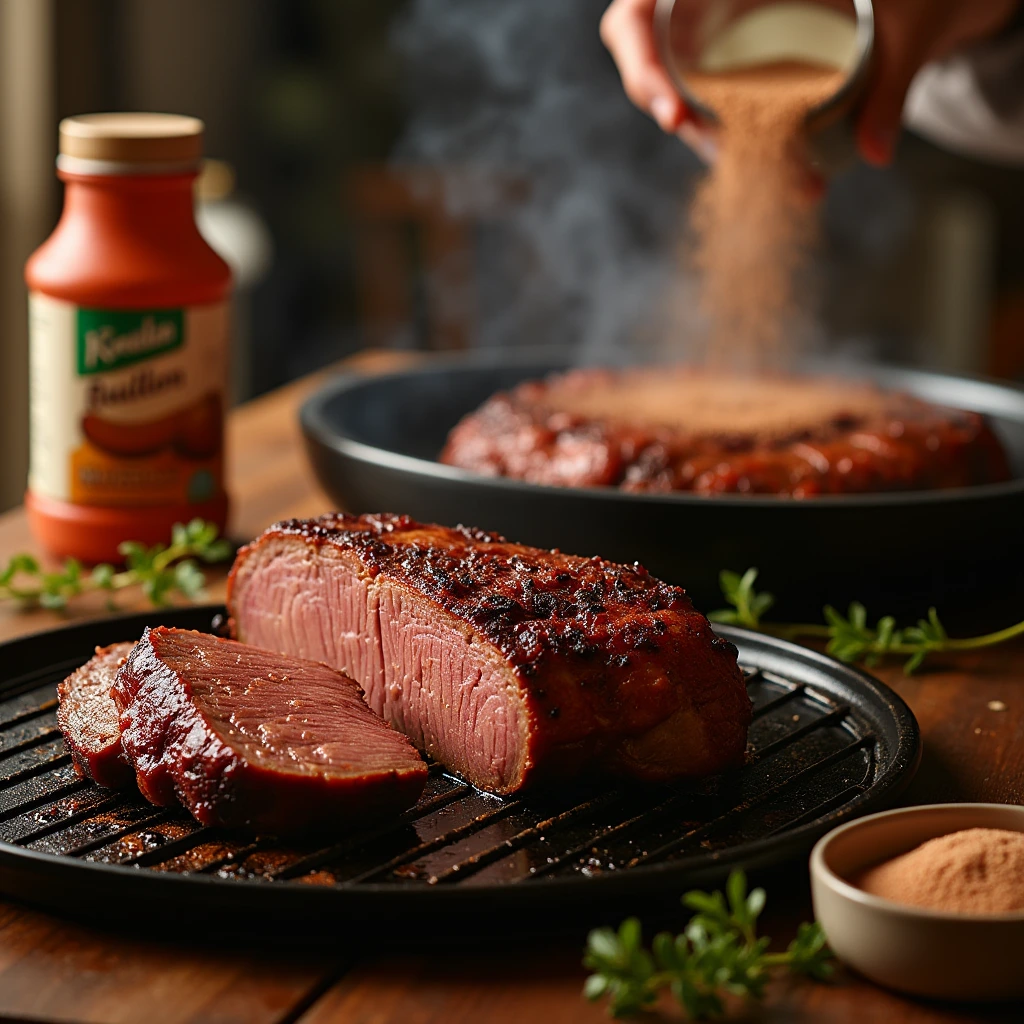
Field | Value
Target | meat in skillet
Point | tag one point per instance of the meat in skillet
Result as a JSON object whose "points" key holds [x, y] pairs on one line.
{"points": [[681, 430]]}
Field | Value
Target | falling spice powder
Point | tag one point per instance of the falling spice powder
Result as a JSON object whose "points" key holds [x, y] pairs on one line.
{"points": [[754, 217], [977, 871]]}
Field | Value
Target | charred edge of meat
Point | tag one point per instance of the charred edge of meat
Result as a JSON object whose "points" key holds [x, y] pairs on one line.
{"points": [[88, 719], [528, 607], [245, 737]]}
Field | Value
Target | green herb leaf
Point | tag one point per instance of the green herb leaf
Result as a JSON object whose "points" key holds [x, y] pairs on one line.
{"points": [[217, 551], [755, 904], [850, 638], [810, 954], [136, 555], [156, 587], [103, 576], [747, 605], [718, 954], [913, 663], [159, 570], [24, 563], [188, 579]]}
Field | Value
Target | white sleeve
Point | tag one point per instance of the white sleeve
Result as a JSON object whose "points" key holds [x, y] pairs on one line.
{"points": [[973, 103]]}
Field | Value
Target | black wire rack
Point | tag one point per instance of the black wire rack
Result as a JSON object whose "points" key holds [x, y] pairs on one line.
{"points": [[826, 742]]}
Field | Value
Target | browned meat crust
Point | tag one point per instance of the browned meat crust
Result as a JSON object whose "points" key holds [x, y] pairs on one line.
{"points": [[87, 717], [247, 737], [507, 663], [682, 431]]}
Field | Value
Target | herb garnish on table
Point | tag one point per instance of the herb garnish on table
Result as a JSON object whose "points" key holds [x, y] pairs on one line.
{"points": [[850, 638], [160, 570], [719, 954]]}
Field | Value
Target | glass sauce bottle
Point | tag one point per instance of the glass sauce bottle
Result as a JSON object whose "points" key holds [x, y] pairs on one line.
{"points": [[129, 341]]}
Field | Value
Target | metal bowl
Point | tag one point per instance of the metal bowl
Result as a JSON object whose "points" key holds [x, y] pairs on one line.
{"points": [[829, 126], [374, 441]]}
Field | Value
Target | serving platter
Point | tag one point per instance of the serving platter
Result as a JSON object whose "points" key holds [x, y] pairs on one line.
{"points": [[374, 441], [828, 742]]}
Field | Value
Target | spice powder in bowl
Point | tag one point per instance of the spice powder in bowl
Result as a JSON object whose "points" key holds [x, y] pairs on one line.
{"points": [[976, 871]]}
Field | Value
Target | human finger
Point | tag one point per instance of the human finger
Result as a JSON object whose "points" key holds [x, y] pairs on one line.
{"points": [[627, 29], [880, 116]]}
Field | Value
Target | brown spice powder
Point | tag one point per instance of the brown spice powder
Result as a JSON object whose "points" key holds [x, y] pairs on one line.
{"points": [[752, 217], [765, 408], [976, 871]]}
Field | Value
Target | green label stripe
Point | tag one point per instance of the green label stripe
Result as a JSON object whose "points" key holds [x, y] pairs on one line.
{"points": [[109, 339]]}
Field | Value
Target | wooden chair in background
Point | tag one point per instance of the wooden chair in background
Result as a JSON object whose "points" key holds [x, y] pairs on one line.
{"points": [[415, 231]]}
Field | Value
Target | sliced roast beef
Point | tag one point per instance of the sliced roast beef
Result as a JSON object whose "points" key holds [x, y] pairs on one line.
{"points": [[249, 737], [506, 663], [87, 716]]}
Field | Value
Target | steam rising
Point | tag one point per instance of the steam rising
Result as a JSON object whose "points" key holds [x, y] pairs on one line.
{"points": [[577, 200]]}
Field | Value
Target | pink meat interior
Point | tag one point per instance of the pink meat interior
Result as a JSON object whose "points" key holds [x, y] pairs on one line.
{"points": [[284, 714], [422, 670]]}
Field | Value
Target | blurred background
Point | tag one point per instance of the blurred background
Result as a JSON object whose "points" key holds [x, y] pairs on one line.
{"points": [[445, 174]]}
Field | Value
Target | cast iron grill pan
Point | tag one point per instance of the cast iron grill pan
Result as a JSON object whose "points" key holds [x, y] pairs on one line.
{"points": [[827, 742], [374, 442]]}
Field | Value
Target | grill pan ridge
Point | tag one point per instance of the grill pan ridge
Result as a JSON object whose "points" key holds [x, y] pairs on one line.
{"points": [[827, 742]]}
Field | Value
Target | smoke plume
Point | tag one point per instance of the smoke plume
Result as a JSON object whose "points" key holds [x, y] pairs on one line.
{"points": [[577, 200]]}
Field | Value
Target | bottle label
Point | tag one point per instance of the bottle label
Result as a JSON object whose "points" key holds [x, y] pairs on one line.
{"points": [[127, 407]]}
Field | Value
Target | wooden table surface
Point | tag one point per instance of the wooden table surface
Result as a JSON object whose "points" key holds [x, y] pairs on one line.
{"points": [[51, 970]]}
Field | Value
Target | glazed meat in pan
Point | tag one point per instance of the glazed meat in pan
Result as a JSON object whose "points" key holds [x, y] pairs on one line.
{"points": [[679, 430], [506, 663]]}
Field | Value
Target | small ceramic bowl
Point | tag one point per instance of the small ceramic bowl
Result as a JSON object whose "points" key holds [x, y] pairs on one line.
{"points": [[922, 952]]}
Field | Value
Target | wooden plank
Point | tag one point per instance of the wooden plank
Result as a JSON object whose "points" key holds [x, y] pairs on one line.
{"points": [[853, 1001], [461, 988], [544, 987], [55, 971], [970, 708]]}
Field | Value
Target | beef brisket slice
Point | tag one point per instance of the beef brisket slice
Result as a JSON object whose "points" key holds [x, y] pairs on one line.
{"points": [[87, 716], [243, 736], [506, 663]]}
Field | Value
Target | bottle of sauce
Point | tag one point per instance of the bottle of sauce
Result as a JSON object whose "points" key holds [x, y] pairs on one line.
{"points": [[128, 340]]}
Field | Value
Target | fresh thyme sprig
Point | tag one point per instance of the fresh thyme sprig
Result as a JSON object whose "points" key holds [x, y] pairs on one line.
{"points": [[849, 637], [159, 570], [718, 954]]}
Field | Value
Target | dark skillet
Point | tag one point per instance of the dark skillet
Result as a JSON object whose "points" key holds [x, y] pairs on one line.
{"points": [[374, 442]]}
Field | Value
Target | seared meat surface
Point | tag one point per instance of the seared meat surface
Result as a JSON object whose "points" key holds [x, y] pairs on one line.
{"points": [[679, 430], [87, 716], [506, 663], [248, 737]]}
